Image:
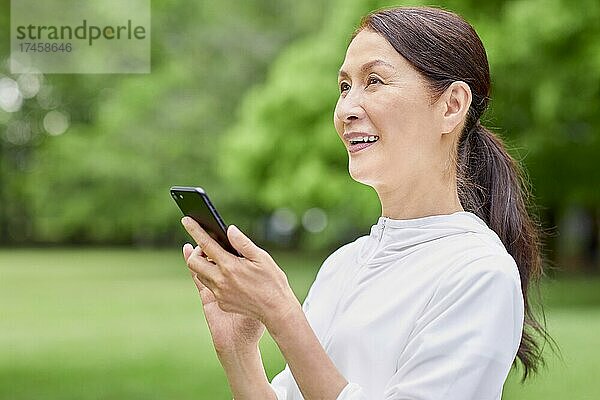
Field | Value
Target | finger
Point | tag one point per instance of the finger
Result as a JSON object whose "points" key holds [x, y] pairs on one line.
{"points": [[206, 243], [243, 244], [197, 281], [206, 295], [187, 251], [199, 251], [207, 272]]}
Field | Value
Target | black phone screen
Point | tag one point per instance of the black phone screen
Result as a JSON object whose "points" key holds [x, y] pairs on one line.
{"points": [[194, 202]]}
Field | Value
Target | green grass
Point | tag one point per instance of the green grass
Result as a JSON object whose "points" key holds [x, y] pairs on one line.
{"points": [[127, 324]]}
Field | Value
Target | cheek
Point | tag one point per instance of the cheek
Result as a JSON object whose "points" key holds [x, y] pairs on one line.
{"points": [[405, 125], [337, 123], [400, 117]]}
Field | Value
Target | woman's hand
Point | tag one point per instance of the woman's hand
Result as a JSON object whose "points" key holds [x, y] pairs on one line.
{"points": [[239, 294], [230, 332]]}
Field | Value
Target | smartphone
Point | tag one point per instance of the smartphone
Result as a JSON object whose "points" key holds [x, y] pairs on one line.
{"points": [[194, 202]]}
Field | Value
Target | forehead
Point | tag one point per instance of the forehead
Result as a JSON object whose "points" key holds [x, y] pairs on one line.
{"points": [[368, 46]]}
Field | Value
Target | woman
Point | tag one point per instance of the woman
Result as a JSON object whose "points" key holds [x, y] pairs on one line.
{"points": [[433, 303]]}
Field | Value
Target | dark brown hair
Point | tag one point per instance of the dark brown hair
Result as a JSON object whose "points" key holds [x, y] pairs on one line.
{"points": [[445, 48]]}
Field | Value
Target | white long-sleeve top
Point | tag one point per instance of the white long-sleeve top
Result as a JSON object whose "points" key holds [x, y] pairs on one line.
{"points": [[420, 309]]}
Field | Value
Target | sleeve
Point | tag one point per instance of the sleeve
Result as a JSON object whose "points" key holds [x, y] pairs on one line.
{"points": [[464, 343], [283, 384]]}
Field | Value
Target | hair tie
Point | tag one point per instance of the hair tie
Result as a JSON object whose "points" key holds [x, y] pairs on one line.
{"points": [[476, 125]]}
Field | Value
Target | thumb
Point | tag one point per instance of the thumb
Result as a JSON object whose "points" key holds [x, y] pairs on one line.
{"points": [[243, 244]]}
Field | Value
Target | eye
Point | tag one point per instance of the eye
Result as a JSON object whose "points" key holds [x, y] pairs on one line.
{"points": [[373, 80], [344, 87]]}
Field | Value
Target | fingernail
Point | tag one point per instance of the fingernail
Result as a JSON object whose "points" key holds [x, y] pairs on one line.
{"points": [[184, 220], [235, 230]]}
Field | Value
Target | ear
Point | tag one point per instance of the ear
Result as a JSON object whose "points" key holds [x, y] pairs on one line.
{"points": [[455, 103]]}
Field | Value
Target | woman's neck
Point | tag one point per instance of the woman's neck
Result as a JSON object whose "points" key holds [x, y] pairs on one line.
{"points": [[421, 199]]}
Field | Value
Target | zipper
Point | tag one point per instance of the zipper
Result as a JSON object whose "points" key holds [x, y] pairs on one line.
{"points": [[348, 284], [382, 230]]}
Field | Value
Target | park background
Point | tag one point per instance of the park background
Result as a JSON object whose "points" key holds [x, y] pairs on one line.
{"points": [[95, 300]]}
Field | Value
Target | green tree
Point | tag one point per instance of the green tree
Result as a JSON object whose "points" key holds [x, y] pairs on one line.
{"points": [[546, 81], [131, 137]]}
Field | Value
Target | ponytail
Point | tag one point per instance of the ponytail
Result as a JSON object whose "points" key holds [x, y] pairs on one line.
{"points": [[445, 48], [492, 186]]}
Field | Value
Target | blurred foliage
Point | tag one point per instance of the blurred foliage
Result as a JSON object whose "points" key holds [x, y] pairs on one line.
{"points": [[132, 137], [240, 100]]}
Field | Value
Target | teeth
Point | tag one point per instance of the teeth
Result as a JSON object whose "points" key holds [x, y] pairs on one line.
{"points": [[365, 139]]}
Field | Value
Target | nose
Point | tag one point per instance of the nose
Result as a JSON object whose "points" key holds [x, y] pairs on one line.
{"points": [[349, 108]]}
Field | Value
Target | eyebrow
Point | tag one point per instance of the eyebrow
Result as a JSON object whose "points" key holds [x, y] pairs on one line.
{"points": [[367, 66]]}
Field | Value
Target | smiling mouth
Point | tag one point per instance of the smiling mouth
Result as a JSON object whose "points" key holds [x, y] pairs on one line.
{"points": [[359, 144], [365, 139]]}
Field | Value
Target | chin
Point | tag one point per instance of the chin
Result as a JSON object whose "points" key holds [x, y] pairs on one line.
{"points": [[361, 174]]}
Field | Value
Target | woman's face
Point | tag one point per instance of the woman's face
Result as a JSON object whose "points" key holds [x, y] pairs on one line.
{"points": [[382, 96]]}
